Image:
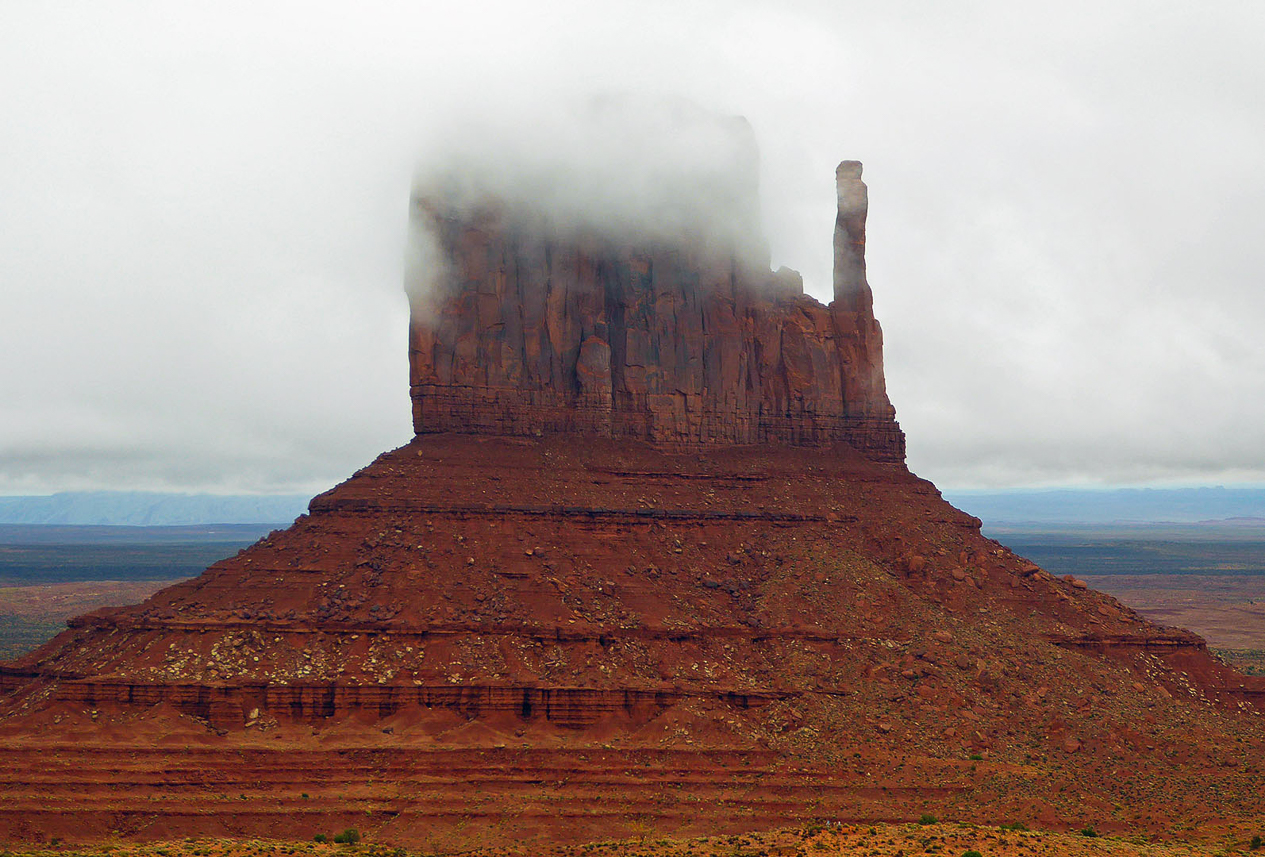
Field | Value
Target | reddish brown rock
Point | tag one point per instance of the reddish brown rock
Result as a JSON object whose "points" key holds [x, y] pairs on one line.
{"points": [[536, 331], [584, 601]]}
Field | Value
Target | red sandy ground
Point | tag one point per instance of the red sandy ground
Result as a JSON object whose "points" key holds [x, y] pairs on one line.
{"points": [[817, 840], [55, 602], [1227, 610]]}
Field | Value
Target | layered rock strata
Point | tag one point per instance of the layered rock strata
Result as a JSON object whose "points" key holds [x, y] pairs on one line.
{"points": [[544, 331], [477, 639]]}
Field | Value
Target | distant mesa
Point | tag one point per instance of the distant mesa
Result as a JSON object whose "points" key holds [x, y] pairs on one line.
{"points": [[148, 509]]}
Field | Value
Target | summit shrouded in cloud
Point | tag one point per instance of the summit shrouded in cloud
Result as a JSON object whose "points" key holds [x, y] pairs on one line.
{"points": [[626, 164], [623, 167]]}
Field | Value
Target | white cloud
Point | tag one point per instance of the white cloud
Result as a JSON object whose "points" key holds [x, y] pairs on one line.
{"points": [[200, 250]]}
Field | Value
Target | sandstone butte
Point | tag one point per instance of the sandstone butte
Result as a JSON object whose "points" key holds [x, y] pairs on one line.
{"points": [[652, 564]]}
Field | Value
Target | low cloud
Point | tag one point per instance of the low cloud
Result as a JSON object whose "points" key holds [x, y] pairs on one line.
{"points": [[629, 168], [200, 251]]}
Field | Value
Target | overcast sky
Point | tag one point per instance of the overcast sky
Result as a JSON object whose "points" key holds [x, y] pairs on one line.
{"points": [[203, 210]]}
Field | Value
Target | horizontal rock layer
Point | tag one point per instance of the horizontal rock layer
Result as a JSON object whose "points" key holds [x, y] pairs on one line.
{"points": [[509, 411]]}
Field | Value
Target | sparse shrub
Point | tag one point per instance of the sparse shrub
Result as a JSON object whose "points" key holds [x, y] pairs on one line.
{"points": [[1256, 842], [927, 818], [1089, 831], [975, 757], [304, 795], [1015, 825], [350, 836], [320, 837], [972, 853]]}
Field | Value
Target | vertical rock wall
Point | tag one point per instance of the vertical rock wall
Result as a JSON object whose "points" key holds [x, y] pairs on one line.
{"points": [[536, 331]]}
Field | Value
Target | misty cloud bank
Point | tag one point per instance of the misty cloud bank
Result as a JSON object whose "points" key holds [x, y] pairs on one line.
{"points": [[206, 209], [624, 167]]}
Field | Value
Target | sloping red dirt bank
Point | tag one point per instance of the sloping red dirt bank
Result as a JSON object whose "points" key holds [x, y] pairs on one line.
{"points": [[710, 641]]}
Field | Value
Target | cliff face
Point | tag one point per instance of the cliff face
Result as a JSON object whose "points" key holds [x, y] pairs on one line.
{"points": [[539, 331]]}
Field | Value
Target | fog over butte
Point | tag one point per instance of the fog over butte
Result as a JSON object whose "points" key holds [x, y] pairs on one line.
{"points": [[629, 167], [542, 317]]}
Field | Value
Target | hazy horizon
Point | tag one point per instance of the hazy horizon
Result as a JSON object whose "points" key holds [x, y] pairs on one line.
{"points": [[1012, 506]]}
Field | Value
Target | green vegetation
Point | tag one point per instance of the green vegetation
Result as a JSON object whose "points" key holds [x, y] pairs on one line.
{"points": [[19, 635], [927, 818], [1162, 550], [1089, 831], [1246, 661], [58, 563]]}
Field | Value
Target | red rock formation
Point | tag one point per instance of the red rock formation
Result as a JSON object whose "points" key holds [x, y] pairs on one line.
{"points": [[541, 331], [584, 601]]}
